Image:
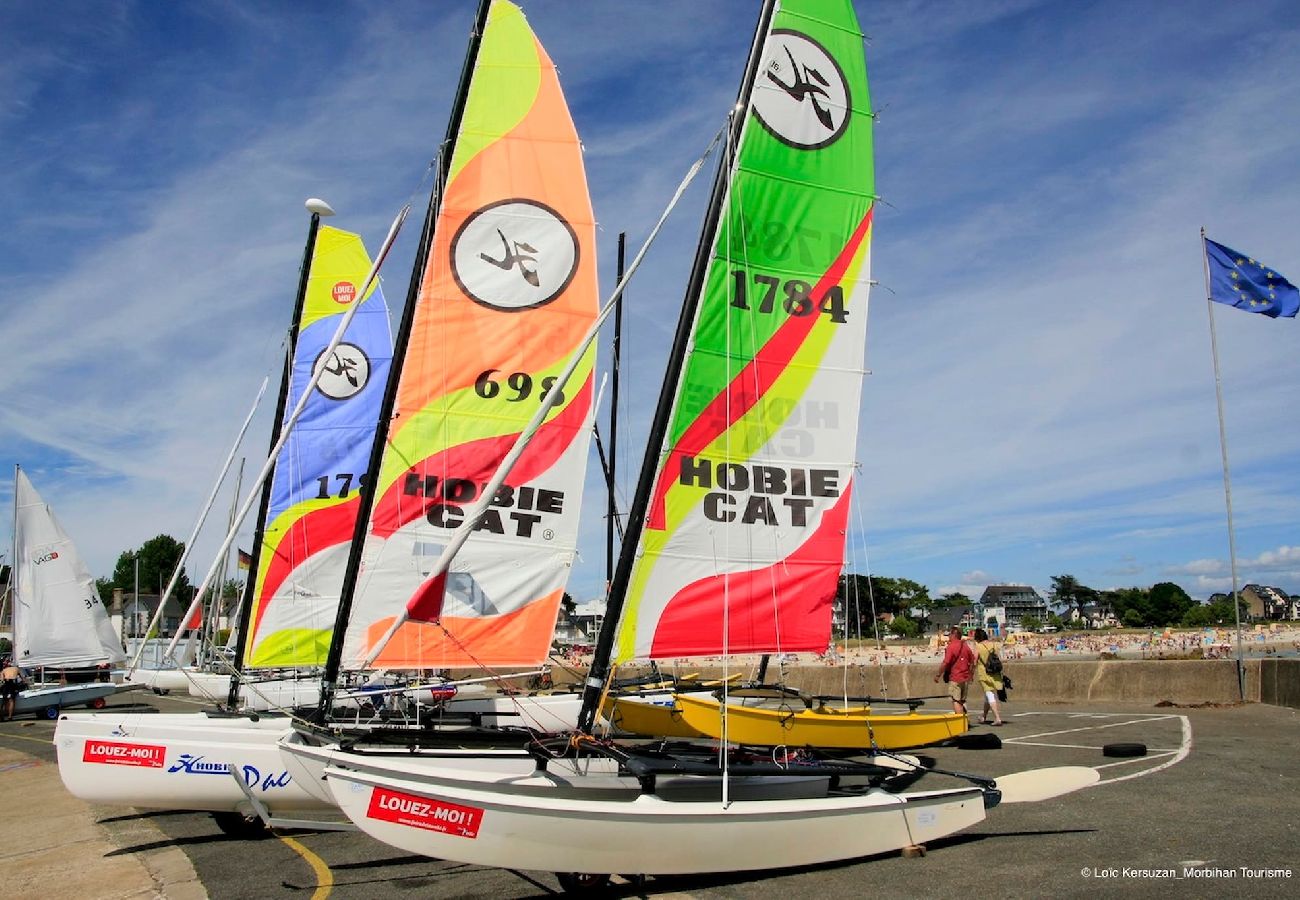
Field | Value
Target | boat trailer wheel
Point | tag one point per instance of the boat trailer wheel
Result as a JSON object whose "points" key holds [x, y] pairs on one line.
{"points": [[51, 712], [581, 883], [98, 703], [238, 825]]}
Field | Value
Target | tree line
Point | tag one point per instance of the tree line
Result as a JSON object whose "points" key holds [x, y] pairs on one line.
{"points": [[157, 559], [1161, 605]]}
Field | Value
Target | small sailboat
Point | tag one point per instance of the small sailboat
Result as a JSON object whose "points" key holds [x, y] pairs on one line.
{"points": [[736, 532], [308, 508], [59, 620]]}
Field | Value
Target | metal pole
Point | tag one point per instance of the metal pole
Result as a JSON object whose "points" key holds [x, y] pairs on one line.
{"points": [[1227, 478]]}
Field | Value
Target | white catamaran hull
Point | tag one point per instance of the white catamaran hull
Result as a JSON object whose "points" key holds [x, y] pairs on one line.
{"points": [[542, 712], [561, 822], [306, 758], [164, 680], [178, 761], [259, 696]]}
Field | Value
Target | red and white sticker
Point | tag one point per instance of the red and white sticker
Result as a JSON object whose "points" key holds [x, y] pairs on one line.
{"points": [[114, 753], [424, 812], [344, 292]]}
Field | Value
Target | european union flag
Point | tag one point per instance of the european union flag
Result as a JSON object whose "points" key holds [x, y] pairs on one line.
{"points": [[1238, 280]]}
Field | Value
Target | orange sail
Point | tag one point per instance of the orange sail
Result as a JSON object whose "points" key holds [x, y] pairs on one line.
{"points": [[507, 293]]}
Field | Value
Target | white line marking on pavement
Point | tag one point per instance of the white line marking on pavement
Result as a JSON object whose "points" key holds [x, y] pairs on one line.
{"points": [[1181, 754]]}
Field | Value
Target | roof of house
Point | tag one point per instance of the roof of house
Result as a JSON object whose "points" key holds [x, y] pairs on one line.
{"points": [[994, 592], [948, 616]]}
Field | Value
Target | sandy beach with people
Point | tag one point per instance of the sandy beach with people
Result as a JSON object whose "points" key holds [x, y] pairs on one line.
{"points": [[1272, 640]]}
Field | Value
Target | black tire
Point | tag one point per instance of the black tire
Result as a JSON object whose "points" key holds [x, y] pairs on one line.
{"points": [[51, 712], [979, 740], [1124, 750], [238, 825], [582, 884]]}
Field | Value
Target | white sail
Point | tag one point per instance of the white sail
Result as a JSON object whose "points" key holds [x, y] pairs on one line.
{"points": [[59, 619]]}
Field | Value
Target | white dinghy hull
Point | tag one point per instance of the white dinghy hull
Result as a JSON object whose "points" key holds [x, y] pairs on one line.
{"points": [[50, 700], [178, 761], [559, 822]]}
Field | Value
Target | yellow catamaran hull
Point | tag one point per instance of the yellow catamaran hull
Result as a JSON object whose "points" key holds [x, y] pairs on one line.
{"points": [[819, 726]]}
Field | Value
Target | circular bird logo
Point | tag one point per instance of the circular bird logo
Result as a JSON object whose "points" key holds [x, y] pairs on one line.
{"points": [[345, 371], [514, 254], [800, 95]]}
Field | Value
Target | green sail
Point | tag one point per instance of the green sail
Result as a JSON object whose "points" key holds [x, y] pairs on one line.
{"points": [[744, 534]]}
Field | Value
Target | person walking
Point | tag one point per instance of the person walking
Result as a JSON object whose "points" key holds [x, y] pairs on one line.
{"points": [[988, 672], [957, 669]]}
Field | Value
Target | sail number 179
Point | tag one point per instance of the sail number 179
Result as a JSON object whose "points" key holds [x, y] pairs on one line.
{"points": [[793, 294]]}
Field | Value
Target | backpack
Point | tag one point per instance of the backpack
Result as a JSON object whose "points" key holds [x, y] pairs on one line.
{"points": [[993, 665]]}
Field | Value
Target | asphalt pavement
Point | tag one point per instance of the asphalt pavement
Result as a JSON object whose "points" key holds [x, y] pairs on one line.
{"points": [[1209, 810]]}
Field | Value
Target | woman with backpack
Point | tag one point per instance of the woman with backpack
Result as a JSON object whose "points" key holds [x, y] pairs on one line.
{"points": [[988, 672]]}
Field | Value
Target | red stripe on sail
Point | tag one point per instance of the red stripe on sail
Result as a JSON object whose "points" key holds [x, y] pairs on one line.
{"points": [[784, 607], [476, 461], [315, 532], [753, 381]]}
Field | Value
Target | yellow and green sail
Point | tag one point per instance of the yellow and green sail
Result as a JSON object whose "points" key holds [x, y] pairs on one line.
{"points": [[314, 496], [744, 536]]}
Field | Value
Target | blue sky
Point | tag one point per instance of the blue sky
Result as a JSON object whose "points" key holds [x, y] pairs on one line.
{"points": [[1042, 396]]}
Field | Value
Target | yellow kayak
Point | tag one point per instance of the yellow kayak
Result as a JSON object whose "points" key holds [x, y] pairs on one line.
{"points": [[837, 727]]}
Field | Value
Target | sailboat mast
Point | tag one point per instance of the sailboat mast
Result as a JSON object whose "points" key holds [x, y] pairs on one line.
{"points": [[304, 275], [13, 576], [615, 359], [659, 424], [334, 659]]}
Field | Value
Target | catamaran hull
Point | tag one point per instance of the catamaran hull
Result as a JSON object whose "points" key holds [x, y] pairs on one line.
{"points": [[258, 696], [542, 712], [306, 758], [178, 761], [561, 823], [826, 726], [163, 680]]}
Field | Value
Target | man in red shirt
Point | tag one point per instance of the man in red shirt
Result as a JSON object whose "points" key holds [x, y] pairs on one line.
{"points": [[957, 668]]}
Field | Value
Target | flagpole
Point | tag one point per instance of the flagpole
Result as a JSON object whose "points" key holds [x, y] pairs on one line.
{"points": [[1227, 478]]}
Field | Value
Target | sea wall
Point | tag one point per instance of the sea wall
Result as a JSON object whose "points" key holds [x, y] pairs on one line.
{"points": [[1183, 682], [1279, 682]]}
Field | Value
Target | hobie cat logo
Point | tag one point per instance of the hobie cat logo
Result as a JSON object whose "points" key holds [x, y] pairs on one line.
{"points": [[189, 764], [514, 254], [801, 96], [346, 372], [45, 557]]}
